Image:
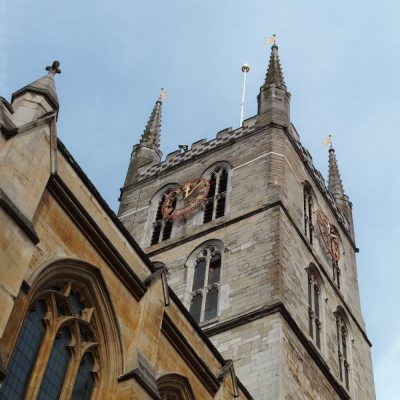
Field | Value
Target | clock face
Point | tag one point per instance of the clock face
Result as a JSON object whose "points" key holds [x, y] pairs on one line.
{"points": [[329, 235], [187, 198]]}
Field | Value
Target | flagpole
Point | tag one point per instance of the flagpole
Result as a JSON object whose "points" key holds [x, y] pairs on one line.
{"points": [[245, 70]]}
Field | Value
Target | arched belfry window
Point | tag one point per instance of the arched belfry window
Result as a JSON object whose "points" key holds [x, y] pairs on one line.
{"points": [[162, 227], [205, 283], [308, 211], [342, 336], [66, 345], [314, 305], [335, 254], [215, 205]]}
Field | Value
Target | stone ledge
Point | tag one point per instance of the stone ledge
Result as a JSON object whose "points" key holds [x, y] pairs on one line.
{"points": [[14, 212]]}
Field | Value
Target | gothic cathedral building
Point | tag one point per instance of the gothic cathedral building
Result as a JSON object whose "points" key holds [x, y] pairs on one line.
{"points": [[229, 272], [259, 250]]}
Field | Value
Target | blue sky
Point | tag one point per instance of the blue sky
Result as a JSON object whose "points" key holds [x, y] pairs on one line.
{"points": [[341, 63]]}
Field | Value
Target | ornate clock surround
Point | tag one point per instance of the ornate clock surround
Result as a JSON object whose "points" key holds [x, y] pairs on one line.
{"points": [[191, 193], [329, 235]]}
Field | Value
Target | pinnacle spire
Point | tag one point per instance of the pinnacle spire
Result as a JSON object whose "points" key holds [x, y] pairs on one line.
{"points": [[335, 185], [151, 134], [44, 86], [274, 74]]}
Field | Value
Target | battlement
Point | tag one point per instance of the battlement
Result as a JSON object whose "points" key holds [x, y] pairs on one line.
{"points": [[198, 148]]}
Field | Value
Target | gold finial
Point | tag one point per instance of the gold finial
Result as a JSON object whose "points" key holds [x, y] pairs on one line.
{"points": [[328, 140], [245, 68], [271, 39], [163, 95]]}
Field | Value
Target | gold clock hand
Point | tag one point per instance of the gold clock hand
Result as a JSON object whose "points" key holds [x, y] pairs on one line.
{"points": [[186, 191], [193, 189]]}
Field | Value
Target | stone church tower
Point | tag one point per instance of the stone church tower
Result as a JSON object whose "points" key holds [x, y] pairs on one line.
{"points": [[259, 249]]}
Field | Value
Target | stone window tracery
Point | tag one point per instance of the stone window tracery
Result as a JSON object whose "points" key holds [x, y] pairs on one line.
{"points": [[343, 349], [314, 311], [56, 353], [215, 203], [308, 212], [205, 285], [162, 227], [335, 244]]}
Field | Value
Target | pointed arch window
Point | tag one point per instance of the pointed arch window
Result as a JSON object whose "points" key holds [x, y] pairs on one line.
{"points": [[335, 254], [308, 212], [336, 273], [205, 287], [56, 352], [25, 353], [314, 311], [174, 387], [216, 198], [162, 228], [342, 349]]}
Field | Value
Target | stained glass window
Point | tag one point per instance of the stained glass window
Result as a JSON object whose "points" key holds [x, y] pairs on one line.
{"points": [[84, 383], [33, 340], [56, 369], [25, 354]]}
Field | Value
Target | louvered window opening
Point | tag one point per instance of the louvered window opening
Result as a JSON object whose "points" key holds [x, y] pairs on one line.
{"points": [[307, 211], [162, 228], [342, 340], [314, 319], [72, 343], [336, 273], [216, 198], [205, 287]]}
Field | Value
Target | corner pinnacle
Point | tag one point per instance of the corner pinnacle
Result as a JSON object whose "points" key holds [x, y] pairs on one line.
{"points": [[335, 185], [274, 74], [151, 134]]}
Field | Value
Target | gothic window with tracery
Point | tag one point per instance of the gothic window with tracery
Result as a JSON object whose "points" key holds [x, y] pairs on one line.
{"points": [[56, 352], [335, 245], [307, 212], [216, 198], [162, 227], [314, 312], [205, 287], [342, 349]]}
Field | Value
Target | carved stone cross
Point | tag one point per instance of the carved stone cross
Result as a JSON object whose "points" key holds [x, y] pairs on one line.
{"points": [[54, 69]]}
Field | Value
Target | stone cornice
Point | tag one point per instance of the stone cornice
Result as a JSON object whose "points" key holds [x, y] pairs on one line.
{"points": [[115, 220], [21, 220], [82, 219]]}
